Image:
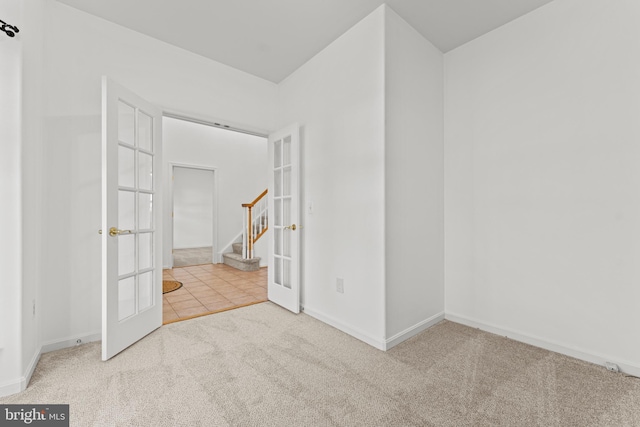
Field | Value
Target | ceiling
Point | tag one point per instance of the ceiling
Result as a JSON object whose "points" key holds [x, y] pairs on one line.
{"points": [[272, 38]]}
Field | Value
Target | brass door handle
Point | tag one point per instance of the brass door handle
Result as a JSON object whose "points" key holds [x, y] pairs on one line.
{"points": [[114, 231], [291, 227]]}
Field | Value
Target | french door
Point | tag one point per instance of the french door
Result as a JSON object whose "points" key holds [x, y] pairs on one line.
{"points": [[131, 218], [284, 218]]}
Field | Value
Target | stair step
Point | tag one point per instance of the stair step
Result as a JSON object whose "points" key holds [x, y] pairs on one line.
{"points": [[235, 260], [237, 248]]}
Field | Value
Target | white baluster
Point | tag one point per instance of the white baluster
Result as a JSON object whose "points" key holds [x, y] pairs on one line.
{"points": [[244, 235]]}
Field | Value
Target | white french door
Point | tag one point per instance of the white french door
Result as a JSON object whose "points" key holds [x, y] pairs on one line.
{"points": [[284, 218], [131, 218]]}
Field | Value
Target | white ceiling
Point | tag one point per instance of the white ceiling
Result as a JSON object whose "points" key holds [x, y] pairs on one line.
{"points": [[272, 38]]}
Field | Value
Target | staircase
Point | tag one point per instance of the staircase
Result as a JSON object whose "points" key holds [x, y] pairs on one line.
{"points": [[256, 222], [234, 259]]}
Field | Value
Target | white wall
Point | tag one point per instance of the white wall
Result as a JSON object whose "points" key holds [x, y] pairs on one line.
{"points": [[80, 49], [240, 163], [20, 192], [541, 185], [32, 35], [10, 194], [338, 99], [414, 180], [192, 208]]}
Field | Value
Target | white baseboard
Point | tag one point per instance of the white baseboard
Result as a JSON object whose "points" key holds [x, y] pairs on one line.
{"points": [[32, 367], [598, 359], [347, 329], [413, 330], [12, 387], [70, 341], [21, 383]]}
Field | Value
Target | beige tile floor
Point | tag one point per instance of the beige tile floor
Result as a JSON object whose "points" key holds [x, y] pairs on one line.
{"points": [[210, 288]]}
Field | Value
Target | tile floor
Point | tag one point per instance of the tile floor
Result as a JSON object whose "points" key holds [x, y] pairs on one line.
{"points": [[209, 288]]}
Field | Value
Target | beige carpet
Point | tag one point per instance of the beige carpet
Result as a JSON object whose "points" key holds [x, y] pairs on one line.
{"points": [[192, 256], [263, 366]]}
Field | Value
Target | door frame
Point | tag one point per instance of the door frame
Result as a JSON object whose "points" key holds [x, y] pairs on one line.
{"points": [[167, 253]]}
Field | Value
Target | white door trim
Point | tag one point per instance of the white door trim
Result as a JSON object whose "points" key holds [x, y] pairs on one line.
{"points": [[215, 122]]}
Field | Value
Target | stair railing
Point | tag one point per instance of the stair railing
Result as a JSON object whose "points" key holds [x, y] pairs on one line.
{"points": [[256, 223]]}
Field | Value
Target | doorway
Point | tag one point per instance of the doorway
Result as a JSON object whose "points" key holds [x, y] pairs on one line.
{"points": [[133, 157], [204, 160], [238, 162], [193, 215]]}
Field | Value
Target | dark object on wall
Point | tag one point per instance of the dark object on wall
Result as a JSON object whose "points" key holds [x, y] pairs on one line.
{"points": [[9, 29]]}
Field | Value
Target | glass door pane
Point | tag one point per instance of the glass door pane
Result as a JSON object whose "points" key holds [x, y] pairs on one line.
{"points": [[135, 211], [126, 123], [282, 212]]}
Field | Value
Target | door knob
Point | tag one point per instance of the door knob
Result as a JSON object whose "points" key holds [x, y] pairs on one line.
{"points": [[114, 231], [291, 227]]}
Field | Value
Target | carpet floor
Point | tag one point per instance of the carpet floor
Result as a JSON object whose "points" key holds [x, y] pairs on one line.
{"points": [[263, 366], [192, 256]]}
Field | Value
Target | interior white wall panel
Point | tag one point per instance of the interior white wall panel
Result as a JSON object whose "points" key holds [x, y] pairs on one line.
{"points": [[542, 215]]}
